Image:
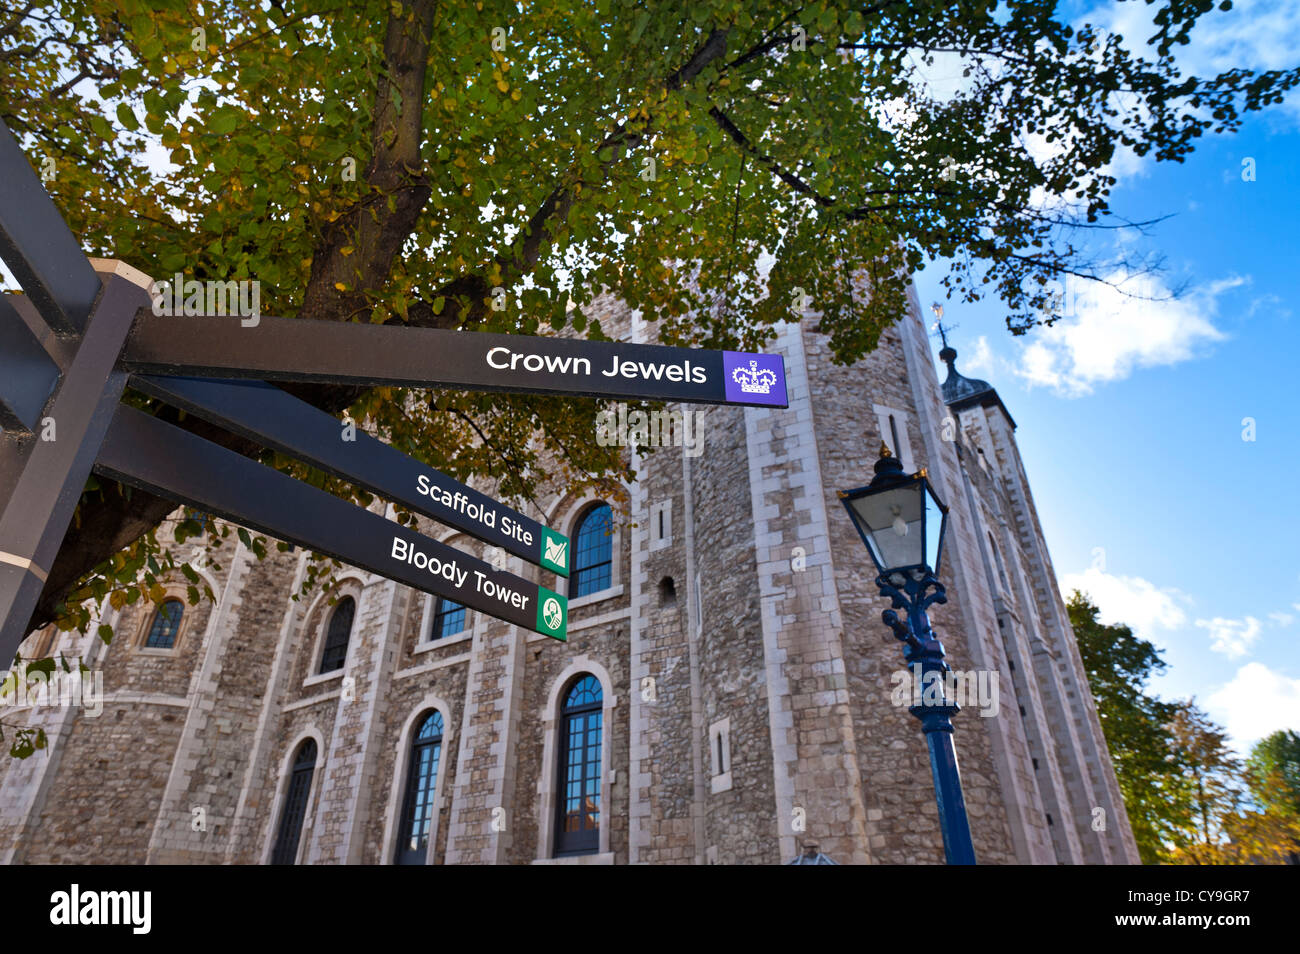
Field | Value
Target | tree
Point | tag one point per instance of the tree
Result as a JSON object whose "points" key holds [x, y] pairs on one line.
{"points": [[1273, 774], [1136, 725], [1226, 825], [399, 160], [1277, 757], [1211, 783]]}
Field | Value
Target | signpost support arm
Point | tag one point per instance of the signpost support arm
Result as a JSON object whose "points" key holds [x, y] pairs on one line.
{"points": [[50, 469]]}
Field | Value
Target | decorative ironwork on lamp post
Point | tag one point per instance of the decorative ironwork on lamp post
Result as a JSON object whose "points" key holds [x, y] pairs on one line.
{"points": [[902, 522]]}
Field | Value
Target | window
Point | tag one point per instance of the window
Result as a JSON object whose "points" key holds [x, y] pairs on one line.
{"points": [[336, 637], [421, 777], [578, 823], [593, 552], [720, 756], [166, 624], [661, 525], [893, 431], [1002, 570], [448, 618], [295, 805]]}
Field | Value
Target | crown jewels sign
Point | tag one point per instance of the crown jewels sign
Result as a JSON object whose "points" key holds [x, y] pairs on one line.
{"points": [[754, 381]]}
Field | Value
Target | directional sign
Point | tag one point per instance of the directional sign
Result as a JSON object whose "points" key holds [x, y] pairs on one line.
{"points": [[297, 349], [264, 413], [148, 453]]}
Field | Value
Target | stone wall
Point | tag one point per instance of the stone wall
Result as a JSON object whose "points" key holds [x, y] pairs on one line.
{"points": [[746, 675]]}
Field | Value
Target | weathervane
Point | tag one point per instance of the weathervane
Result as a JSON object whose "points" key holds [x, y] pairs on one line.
{"points": [[938, 325]]}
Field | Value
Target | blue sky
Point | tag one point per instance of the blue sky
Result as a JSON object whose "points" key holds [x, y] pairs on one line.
{"points": [[1131, 412]]}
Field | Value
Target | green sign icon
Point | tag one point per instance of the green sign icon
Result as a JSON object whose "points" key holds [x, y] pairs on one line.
{"points": [[555, 552], [552, 614]]}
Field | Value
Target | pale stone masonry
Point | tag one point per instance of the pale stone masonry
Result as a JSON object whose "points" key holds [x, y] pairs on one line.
{"points": [[745, 674]]}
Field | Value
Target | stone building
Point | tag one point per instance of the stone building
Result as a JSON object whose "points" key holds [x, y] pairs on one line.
{"points": [[725, 694]]}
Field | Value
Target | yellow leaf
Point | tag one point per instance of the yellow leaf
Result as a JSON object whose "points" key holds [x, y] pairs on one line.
{"points": [[346, 250], [340, 286]]}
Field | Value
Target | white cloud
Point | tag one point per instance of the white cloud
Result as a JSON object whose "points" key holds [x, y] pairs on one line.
{"points": [[1232, 637], [1257, 702], [1109, 330], [1282, 619], [980, 361], [1131, 600], [1254, 34]]}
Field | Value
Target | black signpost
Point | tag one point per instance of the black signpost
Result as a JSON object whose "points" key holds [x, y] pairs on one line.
{"points": [[150, 454], [30, 373], [93, 334], [264, 413], [44, 473], [297, 349]]}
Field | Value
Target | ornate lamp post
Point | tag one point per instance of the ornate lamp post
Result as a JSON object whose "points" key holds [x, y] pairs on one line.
{"points": [[902, 521]]}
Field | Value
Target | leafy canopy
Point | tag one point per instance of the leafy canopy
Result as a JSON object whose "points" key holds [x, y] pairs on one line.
{"points": [[717, 164]]}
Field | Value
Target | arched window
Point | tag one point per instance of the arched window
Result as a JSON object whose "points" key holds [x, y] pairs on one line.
{"points": [[593, 552], [421, 777], [166, 624], [295, 805], [578, 822], [336, 637], [448, 618]]}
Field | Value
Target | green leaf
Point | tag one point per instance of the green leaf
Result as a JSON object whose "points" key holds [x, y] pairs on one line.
{"points": [[41, 665], [642, 22], [223, 122], [22, 746], [126, 116]]}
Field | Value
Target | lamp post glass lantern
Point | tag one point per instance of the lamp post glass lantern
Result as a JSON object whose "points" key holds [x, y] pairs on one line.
{"points": [[899, 518], [902, 522]]}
